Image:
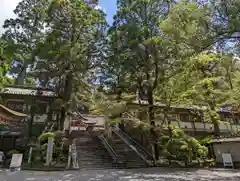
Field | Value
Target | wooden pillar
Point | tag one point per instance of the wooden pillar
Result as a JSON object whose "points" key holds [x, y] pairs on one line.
{"points": [[31, 120], [14, 141], [2, 142], [49, 112]]}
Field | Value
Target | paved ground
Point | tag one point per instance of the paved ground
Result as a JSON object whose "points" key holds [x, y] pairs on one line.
{"points": [[155, 174]]}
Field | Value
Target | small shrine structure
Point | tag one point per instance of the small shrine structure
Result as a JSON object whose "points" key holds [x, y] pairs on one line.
{"points": [[35, 102], [11, 125]]}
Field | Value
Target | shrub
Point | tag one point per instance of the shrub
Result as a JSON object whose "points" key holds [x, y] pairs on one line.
{"points": [[44, 137], [58, 135], [37, 154], [11, 152]]}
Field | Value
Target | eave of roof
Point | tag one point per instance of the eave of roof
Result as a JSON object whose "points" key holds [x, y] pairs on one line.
{"points": [[28, 92], [223, 140], [193, 107], [15, 113]]}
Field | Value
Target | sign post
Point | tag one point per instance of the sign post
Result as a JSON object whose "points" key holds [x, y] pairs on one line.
{"points": [[16, 162], [1, 157], [227, 160], [74, 155], [69, 156], [30, 155], [49, 151]]}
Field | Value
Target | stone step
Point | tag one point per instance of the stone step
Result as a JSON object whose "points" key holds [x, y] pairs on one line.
{"points": [[130, 157], [92, 154]]}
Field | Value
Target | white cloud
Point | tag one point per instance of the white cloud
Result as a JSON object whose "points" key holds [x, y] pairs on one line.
{"points": [[98, 7], [7, 7]]}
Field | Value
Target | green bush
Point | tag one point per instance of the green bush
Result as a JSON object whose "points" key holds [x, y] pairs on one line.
{"points": [[59, 148], [37, 154], [3, 127], [181, 146], [44, 137], [58, 135], [11, 152]]}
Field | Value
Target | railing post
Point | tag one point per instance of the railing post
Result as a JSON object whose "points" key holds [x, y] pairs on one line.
{"points": [[110, 132], [153, 154]]}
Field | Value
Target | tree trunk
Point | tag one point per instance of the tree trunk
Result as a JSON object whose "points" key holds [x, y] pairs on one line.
{"points": [[58, 121], [66, 98], [216, 128], [50, 112], [62, 118], [21, 76], [214, 121], [152, 122], [150, 104], [30, 122], [168, 121]]}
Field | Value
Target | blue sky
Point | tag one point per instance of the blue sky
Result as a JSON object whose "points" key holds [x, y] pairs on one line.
{"points": [[109, 7]]}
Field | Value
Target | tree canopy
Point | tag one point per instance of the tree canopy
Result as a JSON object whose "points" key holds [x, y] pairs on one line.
{"points": [[182, 52]]}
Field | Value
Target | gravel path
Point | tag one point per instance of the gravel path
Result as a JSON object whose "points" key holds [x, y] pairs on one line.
{"points": [[151, 174]]}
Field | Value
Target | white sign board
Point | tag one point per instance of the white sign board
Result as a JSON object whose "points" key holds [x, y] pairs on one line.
{"points": [[16, 161], [49, 150], [227, 160]]}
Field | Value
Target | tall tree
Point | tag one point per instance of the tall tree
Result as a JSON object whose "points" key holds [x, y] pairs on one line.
{"points": [[135, 53], [5, 60], [209, 88], [153, 41], [23, 33], [75, 32]]}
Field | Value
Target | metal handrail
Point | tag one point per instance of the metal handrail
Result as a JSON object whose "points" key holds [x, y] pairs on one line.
{"points": [[110, 150], [132, 144], [150, 157]]}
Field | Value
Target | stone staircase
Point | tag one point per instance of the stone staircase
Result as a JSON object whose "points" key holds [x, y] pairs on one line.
{"points": [[91, 153], [129, 157]]}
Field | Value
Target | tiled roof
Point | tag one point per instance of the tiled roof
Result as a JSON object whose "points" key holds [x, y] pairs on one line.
{"points": [[144, 102], [27, 91], [192, 107], [220, 140], [15, 113]]}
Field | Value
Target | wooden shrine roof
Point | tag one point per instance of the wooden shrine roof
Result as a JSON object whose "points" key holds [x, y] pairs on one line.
{"points": [[15, 113], [28, 91], [226, 109]]}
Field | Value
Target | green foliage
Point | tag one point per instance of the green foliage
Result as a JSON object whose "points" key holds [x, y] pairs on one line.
{"points": [[114, 122], [60, 149], [172, 52], [22, 34], [180, 146], [11, 152], [3, 127], [44, 136], [205, 140], [5, 60], [37, 154], [58, 136]]}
